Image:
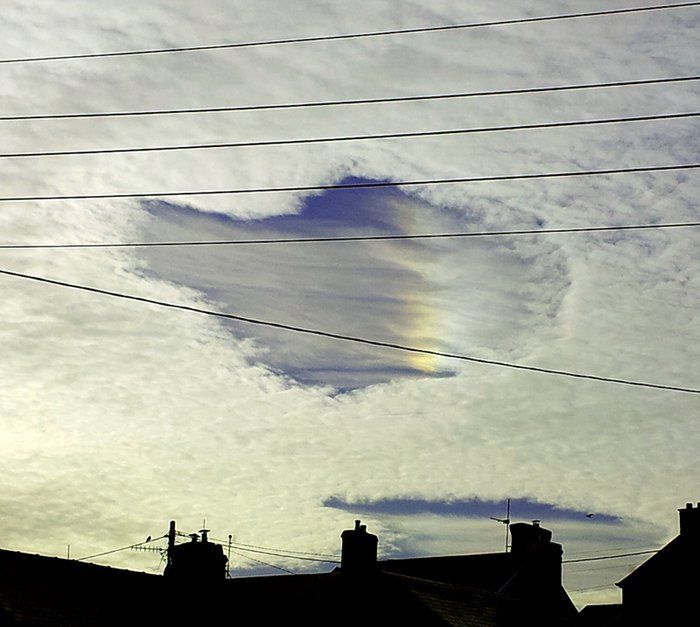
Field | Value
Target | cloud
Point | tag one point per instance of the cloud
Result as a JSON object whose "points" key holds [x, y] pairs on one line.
{"points": [[415, 293], [474, 508]]}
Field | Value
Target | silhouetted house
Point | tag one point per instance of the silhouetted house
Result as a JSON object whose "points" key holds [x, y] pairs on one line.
{"points": [[522, 587], [528, 577], [665, 587]]}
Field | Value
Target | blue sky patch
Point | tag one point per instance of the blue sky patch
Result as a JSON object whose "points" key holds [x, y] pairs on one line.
{"points": [[521, 509]]}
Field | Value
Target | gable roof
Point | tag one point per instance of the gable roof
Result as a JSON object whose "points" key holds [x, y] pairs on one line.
{"points": [[674, 561]]}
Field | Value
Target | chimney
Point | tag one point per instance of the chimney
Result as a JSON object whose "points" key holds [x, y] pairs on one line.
{"points": [[527, 539], [194, 561], [690, 520], [532, 546], [359, 554]]}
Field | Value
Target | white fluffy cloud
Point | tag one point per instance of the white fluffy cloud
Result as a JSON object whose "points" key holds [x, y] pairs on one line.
{"points": [[117, 416]]}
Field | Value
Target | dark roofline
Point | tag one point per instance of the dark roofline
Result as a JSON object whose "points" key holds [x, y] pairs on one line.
{"points": [[659, 557], [51, 562]]}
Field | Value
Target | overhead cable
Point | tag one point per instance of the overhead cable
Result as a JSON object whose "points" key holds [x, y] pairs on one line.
{"points": [[350, 138], [350, 338], [618, 548], [272, 551], [593, 569], [253, 559], [284, 551], [608, 557], [362, 185], [288, 555], [354, 238], [599, 587], [263, 550], [359, 101], [123, 548], [357, 35]]}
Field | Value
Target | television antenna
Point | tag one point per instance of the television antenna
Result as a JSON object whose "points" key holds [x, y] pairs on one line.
{"points": [[506, 522]]}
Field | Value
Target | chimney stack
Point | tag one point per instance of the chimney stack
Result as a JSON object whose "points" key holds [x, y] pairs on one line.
{"points": [[690, 520], [359, 553], [527, 539], [195, 561], [532, 546]]}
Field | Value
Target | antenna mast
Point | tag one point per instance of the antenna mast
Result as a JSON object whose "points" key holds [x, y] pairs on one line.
{"points": [[507, 521], [228, 565], [171, 541]]}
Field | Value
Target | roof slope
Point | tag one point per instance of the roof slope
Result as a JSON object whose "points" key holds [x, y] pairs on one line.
{"points": [[54, 592], [678, 560]]}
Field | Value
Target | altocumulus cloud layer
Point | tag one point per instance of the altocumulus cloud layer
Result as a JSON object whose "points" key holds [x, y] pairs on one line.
{"points": [[117, 416]]}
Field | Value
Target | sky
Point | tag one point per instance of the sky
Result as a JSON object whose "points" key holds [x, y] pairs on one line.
{"points": [[118, 416]]}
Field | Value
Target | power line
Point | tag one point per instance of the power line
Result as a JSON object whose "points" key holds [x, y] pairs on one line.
{"points": [[590, 569], [609, 557], [254, 548], [288, 556], [123, 548], [349, 338], [350, 138], [285, 551], [365, 185], [291, 556], [356, 238], [358, 35], [253, 559], [336, 103], [301, 555], [600, 587], [619, 548]]}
